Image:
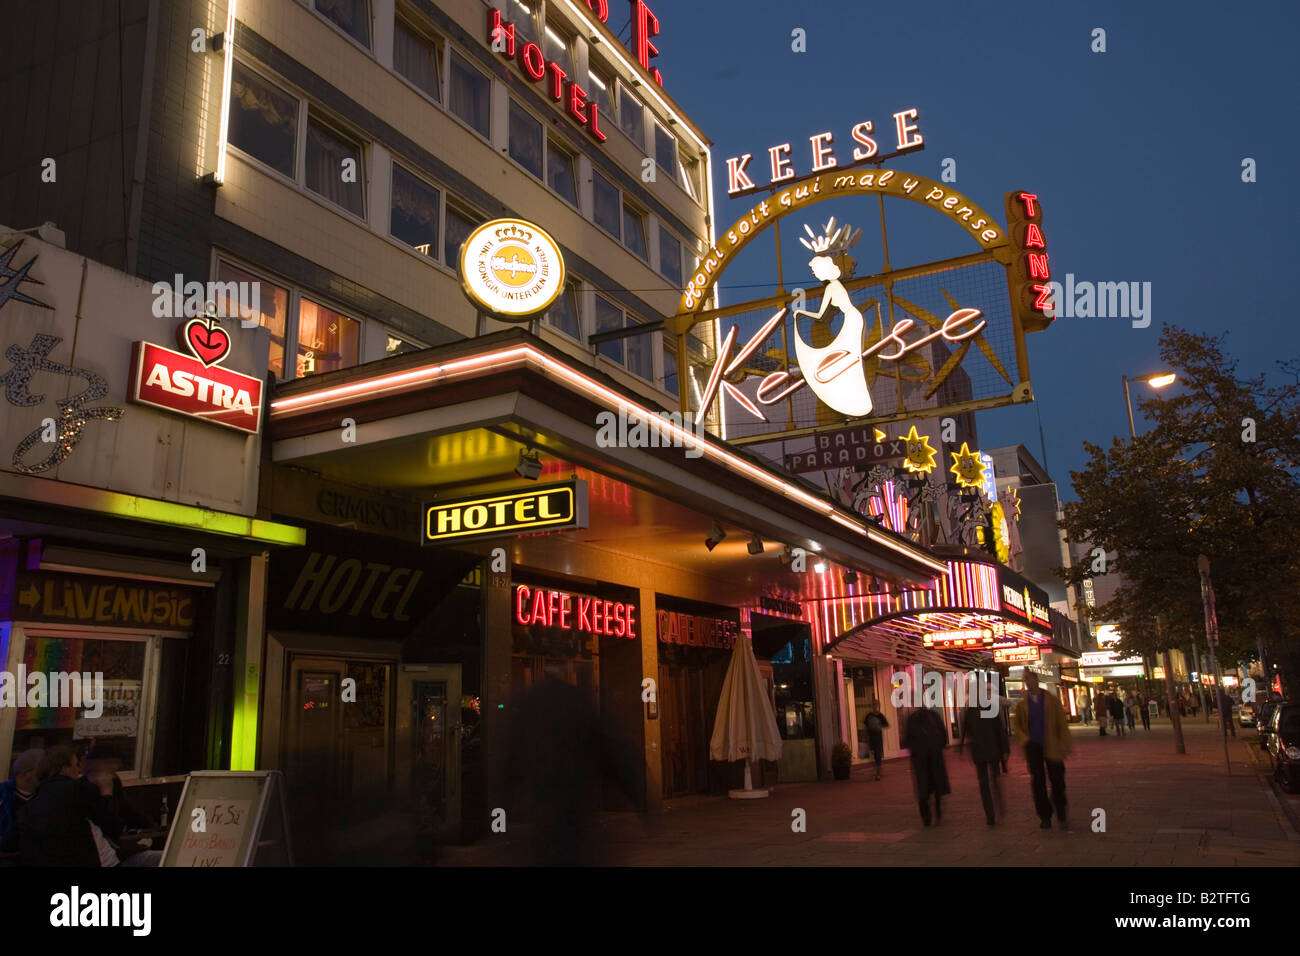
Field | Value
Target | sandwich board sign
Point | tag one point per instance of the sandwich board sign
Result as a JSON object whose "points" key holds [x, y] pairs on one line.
{"points": [[230, 818]]}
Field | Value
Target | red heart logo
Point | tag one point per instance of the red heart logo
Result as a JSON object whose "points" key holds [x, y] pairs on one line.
{"points": [[209, 343]]}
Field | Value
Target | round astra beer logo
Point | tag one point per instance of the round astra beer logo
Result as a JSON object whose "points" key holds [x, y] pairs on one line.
{"points": [[511, 268]]}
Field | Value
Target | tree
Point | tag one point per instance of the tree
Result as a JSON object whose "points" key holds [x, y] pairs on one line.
{"points": [[1219, 475]]}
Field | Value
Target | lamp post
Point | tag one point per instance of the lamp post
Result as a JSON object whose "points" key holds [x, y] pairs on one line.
{"points": [[1158, 380]]}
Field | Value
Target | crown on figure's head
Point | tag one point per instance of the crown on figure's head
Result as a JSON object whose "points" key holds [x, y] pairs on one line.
{"points": [[832, 242]]}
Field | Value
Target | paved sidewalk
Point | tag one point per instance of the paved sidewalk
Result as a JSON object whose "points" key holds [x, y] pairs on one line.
{"points": [[1161, 809]]}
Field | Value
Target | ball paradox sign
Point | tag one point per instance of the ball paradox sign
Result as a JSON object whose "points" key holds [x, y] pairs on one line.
{"points": [[511, 268]]}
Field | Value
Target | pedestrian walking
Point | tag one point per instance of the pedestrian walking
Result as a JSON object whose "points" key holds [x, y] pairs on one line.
{"points": [[1086, 710], [1041, 728], [1225, 708], [1117, 714], [1103, 714], [1130, 703], [989, 749], [924, 737], [1144, 709], [874, 724]]}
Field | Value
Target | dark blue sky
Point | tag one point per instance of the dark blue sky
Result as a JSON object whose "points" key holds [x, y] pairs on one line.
{"points": [[1136, 154]]}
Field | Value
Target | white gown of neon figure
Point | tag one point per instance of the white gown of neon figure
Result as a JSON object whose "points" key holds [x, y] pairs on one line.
{"points": [[834, 372]]}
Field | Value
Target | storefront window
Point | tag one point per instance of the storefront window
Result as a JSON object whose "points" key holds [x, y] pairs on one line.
{"points": [[263, 119], [329, 156], [417, 58], [414, 212], [470, 95], [273, 311], [327, 340], [525, 139]]}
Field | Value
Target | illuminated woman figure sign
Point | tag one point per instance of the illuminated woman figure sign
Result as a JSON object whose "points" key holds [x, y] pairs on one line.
{"points": [[834, 372]]}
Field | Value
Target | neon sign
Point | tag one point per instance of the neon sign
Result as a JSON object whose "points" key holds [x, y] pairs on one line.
{"points": [[569, 612], [1017, 655], [968, 467], [822, 145], [532, 63], [966, 638], [546, 507]]}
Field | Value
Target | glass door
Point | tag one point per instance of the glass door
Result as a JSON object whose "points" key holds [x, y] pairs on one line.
{"points": [[428, 748]]}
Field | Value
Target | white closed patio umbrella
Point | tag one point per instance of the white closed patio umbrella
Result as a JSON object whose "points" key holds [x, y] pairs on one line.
{"points": [[745, 727]]}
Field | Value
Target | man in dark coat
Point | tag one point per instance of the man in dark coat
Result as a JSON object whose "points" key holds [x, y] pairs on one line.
{"points": [[1117, 713], [990, 745], [56, 830], [874, 724], [924, 738]]}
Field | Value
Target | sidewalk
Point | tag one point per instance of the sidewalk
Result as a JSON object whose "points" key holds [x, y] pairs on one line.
{"points": [[1160, 809]]}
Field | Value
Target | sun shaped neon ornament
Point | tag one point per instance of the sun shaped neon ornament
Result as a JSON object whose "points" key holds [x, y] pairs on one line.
{"points": [[920, 456], [968, 468]]}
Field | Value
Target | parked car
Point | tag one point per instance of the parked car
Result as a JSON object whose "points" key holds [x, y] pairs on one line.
{"points": [[1264, 720], [1284, 745]]}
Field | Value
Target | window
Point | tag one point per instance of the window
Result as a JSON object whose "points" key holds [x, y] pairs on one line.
{"points": [[633, 352], [609, 317], [665, 150], [564, 314], [640, 352], [670, 257], [559, 173], [263, 120], [414, 212], [522, 16], [396, 345], [273, 308], [631, 117], [606, 200], [460, 223], [525, 139], [327, 340], [329, 171], [599, 84], [634, 232], [350, 16], [417, 58], [690, 177], [670, 368], [470, 95], [558, 47]]}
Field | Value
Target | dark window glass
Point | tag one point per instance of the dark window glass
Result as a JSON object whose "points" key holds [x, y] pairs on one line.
{"points": [[670, 257], [521, 15], [470, 95], [599, 86], [607, 213], [352, 16], [328, 156], [634, 233], [670, 368], [414, 212], [559, 173], [263, 119], [459, 225], [557, 47], [525, 139], [631, 117], [418, 59], [609, 317], [640, 353], [395, 345], [665, 150], [563, 315]]}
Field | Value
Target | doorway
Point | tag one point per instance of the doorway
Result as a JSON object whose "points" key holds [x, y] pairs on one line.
{"points": [[430, 735]]}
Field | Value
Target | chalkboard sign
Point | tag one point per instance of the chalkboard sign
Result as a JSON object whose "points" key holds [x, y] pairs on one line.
{"points": [[230, 818]]}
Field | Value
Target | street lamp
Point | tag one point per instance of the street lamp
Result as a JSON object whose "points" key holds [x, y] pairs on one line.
{"points": [[1158, 380]]}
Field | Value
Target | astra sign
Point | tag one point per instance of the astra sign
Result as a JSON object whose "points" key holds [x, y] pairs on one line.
{"points": [[196, 385]]}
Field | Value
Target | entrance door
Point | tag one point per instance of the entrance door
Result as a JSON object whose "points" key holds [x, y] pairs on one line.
{"points": [[428, 745]]}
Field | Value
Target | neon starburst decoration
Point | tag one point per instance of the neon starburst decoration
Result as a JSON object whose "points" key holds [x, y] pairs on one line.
{"points": [[920, 456], [968, 467]]}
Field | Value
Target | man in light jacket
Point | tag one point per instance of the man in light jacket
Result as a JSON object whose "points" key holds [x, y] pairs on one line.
{"points": [[1040, 727]]}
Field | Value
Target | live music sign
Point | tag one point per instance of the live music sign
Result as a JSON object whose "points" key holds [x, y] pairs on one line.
{"points": [[186, 386]]}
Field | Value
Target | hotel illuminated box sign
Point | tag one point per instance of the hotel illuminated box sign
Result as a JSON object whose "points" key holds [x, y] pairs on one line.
{"points": [[554, 507], [511, 268]]}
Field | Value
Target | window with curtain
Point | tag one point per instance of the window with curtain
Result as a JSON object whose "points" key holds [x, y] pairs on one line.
{"points": [[526, 139], [263, 119], [665, 150], [414, 212], [631, 117], [327, 340], [599, 85], [563, 314], [609, 317], [470, 95], [273, 308], [560, 175], [606, 201], [417, 58], [670, 257], [350, 16], [460, 223], [634, 232], [327, 153]]}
